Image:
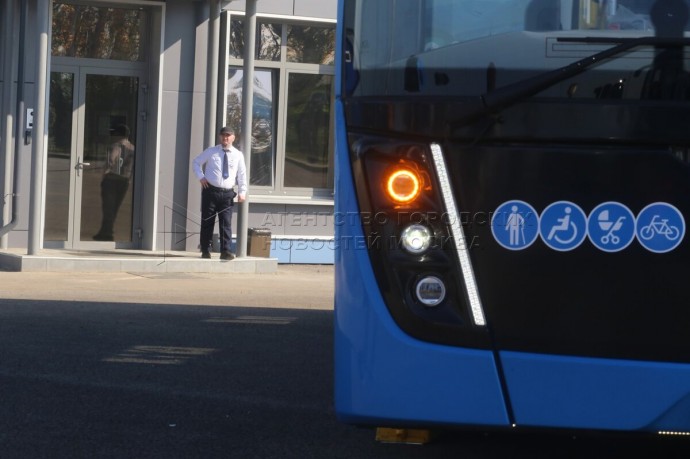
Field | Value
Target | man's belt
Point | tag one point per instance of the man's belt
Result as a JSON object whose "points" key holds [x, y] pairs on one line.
{"points": [[215, 188]]}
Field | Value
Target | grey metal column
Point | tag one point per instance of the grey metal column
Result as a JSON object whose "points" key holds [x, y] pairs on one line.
{"points": [[43, 11], [19, 113], [212, 73], [7, 135], [247, 104]]}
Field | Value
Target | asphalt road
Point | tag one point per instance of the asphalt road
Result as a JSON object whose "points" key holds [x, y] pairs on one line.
{"points": [[206, 366]]}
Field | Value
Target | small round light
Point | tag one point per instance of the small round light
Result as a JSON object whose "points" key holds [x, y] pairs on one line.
{"points": [[403, 185], [416, 238], [430, 291]]}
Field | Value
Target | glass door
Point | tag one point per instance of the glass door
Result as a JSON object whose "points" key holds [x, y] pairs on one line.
{"points": [[108, 158], [92, 157]]}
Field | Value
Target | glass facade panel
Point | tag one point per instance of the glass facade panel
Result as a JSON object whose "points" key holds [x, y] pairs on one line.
{"points": [[292, 130], [98, 32], [3, 46], [236, 39], [59, 155], [311, 44], [263, 145], [308, 131], [269, 40]]}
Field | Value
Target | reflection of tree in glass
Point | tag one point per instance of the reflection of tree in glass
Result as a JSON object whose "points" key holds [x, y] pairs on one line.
{"points": [[261, 128], [308, 117], [234, 113], [308, 130], [268, 40], [237, 39], [97, 32], [60, 128], [309, 44]]}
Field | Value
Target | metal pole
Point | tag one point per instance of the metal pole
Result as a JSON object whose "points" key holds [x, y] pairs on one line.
{"points": [[212, 75], [40, 127], [247, 104]]}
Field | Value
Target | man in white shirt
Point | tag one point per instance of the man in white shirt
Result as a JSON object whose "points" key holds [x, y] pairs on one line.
{"points": [[219, 169]]}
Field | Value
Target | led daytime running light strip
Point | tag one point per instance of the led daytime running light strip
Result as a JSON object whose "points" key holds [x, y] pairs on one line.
{"points": [[458, 236]]}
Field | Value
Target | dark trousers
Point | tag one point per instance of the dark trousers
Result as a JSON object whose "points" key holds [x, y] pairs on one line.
{"points": [[216, 201], [113, 190]]}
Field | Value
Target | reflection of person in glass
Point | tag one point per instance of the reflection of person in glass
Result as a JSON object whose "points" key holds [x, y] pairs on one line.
{"points": [[118, 172]]}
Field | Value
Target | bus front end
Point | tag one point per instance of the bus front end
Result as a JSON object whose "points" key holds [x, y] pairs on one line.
{"points": [[511, 189]]}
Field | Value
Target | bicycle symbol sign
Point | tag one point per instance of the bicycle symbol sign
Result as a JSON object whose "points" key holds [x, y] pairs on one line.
{"points": [[660, 227]]}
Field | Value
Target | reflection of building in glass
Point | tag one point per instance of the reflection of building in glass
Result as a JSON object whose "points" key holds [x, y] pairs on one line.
{"points": [[262, 122]]}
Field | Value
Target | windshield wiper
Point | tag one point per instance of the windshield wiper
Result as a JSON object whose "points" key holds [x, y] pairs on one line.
{"points": [[505, 96]]}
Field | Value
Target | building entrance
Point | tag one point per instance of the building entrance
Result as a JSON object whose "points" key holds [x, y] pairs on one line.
{"points": [[93, 152]]}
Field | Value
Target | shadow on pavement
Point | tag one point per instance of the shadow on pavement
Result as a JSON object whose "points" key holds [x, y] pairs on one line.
{"points": [[87, 379]]}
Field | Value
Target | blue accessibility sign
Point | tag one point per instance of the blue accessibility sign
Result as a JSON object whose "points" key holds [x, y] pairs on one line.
{"points": [[611, 226], [515, 225], [660, 227], [563, 226]]}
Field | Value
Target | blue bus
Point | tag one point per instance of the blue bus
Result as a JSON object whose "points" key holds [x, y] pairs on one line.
{"points": [[512, 183]]}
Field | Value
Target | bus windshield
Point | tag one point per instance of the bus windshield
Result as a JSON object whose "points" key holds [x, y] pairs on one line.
{"points": [[471, 47]]}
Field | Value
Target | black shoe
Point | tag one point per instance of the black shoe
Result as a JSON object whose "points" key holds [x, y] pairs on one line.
{"points": [[205, 254], [227, 256]]}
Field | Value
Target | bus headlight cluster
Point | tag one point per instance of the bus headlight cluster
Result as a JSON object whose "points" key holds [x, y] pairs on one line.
{"points": [[430, 291], [416, 238]]}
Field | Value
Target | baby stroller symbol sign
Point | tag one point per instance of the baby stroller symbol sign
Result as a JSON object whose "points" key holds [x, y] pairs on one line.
{"points": [[611, 226]]}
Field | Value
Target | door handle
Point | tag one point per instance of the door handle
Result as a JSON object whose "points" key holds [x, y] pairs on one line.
{"points": [[80, 165]]}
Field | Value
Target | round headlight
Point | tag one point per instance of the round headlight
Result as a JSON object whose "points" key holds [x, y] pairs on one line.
{"points": [[416, 238], [430, 291], [403, 186]]}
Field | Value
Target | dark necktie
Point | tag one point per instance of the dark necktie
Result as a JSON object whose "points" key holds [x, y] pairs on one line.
{"points": [[226, 172]]}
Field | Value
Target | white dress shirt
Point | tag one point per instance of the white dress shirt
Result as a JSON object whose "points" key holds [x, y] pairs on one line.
{"points": [[209, 164]]}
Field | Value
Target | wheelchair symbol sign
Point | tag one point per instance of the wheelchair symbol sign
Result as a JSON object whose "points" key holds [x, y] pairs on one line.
{"points": [[563, 226], [660, 227], [515, 225], [611, 227]]}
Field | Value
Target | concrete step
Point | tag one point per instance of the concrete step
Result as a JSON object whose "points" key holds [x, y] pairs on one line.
{"points": [[141, 261]]}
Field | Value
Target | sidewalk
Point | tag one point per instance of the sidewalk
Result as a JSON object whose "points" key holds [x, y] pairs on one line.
{"points": [[290, 286], [122, 260]]}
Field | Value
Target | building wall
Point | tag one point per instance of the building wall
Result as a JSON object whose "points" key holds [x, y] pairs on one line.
{"points": [[182, 112], [18, 237], [182, 124], [325, 9]]}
